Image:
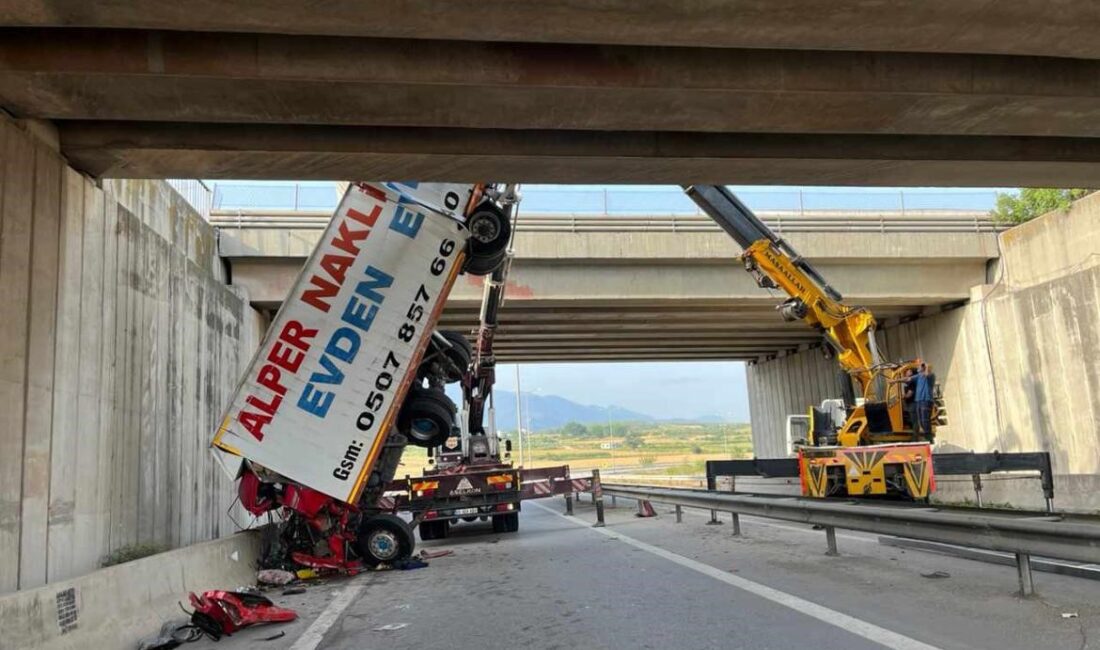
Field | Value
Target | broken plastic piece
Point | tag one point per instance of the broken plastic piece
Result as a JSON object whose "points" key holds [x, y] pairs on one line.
{"points": [[275, 577], [220, 613]]}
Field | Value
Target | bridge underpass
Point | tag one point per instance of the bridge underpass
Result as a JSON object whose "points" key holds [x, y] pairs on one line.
{"points": [[586, 288], [110, 289]]}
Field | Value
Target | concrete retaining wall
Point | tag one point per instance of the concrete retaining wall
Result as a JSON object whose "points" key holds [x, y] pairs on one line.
{"points": [[1019, 365], [118, 606], [118, 344]]}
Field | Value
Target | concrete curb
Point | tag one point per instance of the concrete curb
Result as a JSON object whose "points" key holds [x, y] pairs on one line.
{"points": [[117, 606]]}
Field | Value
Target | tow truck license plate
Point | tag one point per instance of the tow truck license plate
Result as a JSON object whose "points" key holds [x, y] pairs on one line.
{"points": [[465, 511]]}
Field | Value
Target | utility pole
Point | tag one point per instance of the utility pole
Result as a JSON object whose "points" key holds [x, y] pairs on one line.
{"points": [[610, 439], [519, 419], [527, 418]]}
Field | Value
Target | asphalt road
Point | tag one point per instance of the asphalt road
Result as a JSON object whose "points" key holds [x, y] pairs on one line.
{"points": [[652, 583]]}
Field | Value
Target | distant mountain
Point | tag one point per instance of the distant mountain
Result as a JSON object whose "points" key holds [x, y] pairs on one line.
{"points": [[702, 419], [552, 411]]}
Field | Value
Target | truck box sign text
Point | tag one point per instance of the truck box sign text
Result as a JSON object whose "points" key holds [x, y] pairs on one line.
{"points": [[325, 386]]}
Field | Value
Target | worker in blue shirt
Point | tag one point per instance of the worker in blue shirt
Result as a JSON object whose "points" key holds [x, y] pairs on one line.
{"points": [[923, 395]]}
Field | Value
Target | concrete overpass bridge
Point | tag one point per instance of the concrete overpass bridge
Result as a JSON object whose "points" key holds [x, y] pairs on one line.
{"points": [[848, 92], [641, 287]]}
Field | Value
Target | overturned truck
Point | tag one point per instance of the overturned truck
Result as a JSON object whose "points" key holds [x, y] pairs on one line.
{"points": [[339, 387]]}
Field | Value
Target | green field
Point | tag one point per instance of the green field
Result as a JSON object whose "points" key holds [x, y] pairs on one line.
{"points": [[641, 448]]}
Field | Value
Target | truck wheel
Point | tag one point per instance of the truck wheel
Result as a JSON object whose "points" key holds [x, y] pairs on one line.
{"points": [[511, 522], [436, 529], [460, 353], [426, 417], [479, 264], [384, 539], [499, 525], [489, 235]]}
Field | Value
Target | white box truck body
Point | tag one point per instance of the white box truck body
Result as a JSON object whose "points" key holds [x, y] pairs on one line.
{"points": [[327, 381]]}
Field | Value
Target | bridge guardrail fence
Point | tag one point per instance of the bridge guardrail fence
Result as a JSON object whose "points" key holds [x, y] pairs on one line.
{"points": [[781, 222]]}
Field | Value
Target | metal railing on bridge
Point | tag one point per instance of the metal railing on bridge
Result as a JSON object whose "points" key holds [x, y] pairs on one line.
{"points": [[779, 221]]}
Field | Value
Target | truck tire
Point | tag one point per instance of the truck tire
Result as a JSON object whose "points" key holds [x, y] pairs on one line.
{"points": [[490, 232], [477, 264], [384, 539], [460, 354], [499, 525], [426, 417], [511, 522], [435, 529]]}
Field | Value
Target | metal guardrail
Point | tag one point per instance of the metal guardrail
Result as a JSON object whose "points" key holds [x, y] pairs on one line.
{"points": [[195, 192], [781, 222], [1022, 533]]}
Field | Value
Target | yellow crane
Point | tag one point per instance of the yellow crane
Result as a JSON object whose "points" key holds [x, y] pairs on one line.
{"points": [[875, 450]]}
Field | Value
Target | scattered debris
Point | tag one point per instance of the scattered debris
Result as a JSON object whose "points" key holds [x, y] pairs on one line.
{"points": [[431, 555], [172, 634], [275, 577], [294, 591], [391, 627], [274, 636], [219, 613], [1069, 614], [403, 565], [307, 574], [936, 574]]}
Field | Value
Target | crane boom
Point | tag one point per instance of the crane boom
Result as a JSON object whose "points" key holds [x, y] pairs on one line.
{"points": [[775, 264]]}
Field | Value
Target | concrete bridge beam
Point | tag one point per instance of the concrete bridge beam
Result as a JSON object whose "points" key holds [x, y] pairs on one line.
{"points": [[1019, 27]]}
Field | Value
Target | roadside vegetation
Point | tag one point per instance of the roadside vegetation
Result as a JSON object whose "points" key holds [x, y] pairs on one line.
{"points": [[1031, 202], [637, 448], [132, 552]]}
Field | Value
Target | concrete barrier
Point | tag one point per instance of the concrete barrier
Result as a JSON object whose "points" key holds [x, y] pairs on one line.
{"points": [[117, 606]]}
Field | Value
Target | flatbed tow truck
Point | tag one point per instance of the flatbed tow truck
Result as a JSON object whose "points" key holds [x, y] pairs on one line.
{"points": [[472, 475]]}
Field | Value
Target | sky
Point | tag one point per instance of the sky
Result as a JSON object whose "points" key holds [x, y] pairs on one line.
{"points": [[660, 199], [663, 390]]}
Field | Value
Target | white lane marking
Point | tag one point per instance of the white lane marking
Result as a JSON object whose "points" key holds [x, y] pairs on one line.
{"points": [[313, 635], [849, 624]]}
